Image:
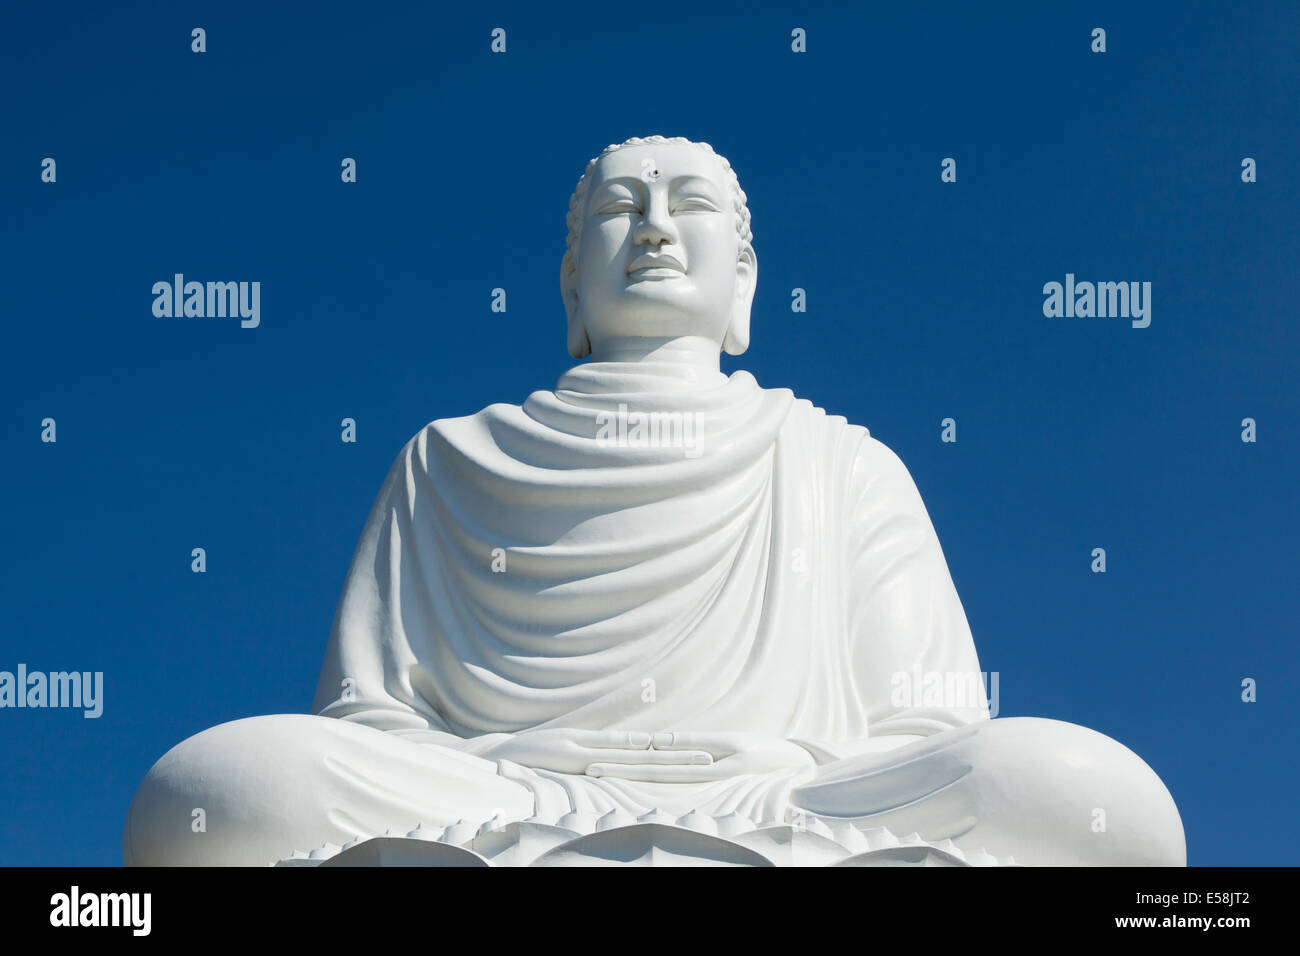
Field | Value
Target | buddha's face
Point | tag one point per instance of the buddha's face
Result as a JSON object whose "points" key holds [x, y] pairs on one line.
{"points": [[659, 255]]}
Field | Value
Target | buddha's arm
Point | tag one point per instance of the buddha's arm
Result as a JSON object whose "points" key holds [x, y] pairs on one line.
{"points": [[914, 660]]}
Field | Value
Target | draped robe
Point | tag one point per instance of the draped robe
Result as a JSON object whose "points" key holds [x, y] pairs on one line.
{"points": [[760, 566], [772, 571]]}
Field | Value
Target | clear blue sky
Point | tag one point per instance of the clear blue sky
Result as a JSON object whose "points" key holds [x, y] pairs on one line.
{"points": [[925, 301]]}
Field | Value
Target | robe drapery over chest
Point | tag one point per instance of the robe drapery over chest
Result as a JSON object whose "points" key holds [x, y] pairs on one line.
{"points": [[648, 548]]}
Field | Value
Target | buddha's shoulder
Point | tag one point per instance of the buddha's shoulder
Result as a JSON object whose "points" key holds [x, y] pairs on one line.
{"points": [[872, 458], [461, 433], [806, 415]]}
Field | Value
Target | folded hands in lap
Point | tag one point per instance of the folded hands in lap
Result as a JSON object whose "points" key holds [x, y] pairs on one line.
{"points": [[663, 757]]}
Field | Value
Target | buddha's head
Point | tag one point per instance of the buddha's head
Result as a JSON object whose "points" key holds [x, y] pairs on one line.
{"points": [[659, 248]]}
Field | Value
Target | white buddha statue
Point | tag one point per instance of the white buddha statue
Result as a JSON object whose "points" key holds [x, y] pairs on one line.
{"points": [[657, 587]]}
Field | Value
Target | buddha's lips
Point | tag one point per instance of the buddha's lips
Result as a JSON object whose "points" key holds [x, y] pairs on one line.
{"points": [[662, 261]]}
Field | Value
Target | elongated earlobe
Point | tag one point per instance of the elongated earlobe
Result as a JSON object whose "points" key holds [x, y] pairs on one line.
{"points": [[579, 342], [737, 338], [733, 343]]}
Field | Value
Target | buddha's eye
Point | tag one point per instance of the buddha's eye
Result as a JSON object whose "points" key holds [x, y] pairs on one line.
{"points": [[696, 205], [623, 205]]}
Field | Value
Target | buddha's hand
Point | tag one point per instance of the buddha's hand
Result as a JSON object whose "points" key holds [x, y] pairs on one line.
{"points": [[729, 755], [577, 751]]}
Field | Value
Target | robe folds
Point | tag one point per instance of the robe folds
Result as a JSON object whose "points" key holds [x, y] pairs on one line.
{"points": [[648, 548]]}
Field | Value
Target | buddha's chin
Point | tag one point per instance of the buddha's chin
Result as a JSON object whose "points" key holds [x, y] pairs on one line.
{"points": [[653, 310], [659, 330]]}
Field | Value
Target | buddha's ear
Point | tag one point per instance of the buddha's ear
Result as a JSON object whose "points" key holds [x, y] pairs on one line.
{"points": [[579, 344], [737, 338]]}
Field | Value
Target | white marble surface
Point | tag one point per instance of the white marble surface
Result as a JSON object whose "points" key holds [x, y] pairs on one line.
{"points": [[655, 589], [656, 839]]}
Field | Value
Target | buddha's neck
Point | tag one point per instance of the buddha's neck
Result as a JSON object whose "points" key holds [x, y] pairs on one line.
{"points": [[686, 351]]}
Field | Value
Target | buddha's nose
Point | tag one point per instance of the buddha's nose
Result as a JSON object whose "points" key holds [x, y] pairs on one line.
{"points": [[656, 228]]}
